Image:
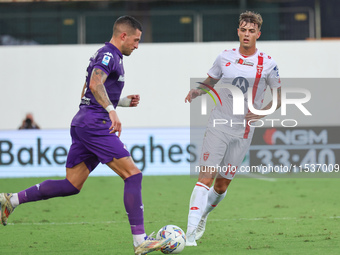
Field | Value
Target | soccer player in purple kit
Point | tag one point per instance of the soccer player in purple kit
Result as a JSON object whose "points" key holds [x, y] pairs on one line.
{"points": [[94, 139]]}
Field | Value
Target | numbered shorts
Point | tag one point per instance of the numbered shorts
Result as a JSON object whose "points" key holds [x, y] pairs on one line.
{"points": [[92, 146], [223, 151]]}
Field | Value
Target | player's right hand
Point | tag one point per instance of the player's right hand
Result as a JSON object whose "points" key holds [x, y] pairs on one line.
{"points": [[192, 95], [116, 125]]}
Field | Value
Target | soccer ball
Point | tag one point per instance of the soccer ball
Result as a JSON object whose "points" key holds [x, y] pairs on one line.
{"points": [[178, 239]]}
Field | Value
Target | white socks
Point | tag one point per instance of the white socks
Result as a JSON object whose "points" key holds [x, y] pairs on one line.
{"points": [[213, 199], [138, 239], [198, 203], [14, 200]]}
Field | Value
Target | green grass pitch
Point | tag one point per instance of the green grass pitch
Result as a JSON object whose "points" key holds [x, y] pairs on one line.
{"points": [[282, 216]]}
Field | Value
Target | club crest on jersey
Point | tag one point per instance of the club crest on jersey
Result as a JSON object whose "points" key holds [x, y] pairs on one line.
{"points": [[243, 62], [259, 69], [206, 156]]}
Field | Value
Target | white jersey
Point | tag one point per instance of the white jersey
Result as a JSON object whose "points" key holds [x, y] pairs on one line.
{"points": [[254, 72]]}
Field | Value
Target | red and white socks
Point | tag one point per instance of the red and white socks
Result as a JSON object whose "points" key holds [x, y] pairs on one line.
{"points": [[213, 200], [198, 202]]}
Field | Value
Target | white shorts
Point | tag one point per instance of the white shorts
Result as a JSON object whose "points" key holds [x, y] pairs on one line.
{"points": [[223, 151]]}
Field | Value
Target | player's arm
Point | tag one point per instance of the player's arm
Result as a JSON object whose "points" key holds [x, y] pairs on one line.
{"points": [[129, 101], [252, 116], [83, 91], [98, 77], [193, 93]]}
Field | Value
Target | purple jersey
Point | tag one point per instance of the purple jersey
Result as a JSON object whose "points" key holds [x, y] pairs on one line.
{"points": [[91, 114]]}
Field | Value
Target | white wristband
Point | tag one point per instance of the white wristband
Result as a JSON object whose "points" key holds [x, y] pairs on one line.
{"points": [[110, 108], [124, 102]]}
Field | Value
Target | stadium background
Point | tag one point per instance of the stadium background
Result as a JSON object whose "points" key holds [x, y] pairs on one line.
{"points": [[45, 50], [46, 47]]}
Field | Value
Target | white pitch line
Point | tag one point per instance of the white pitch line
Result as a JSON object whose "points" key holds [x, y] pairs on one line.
{"points": [[119, 222]]}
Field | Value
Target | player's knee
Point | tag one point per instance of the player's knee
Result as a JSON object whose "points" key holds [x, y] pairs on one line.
{"points": [[133, 171], [219, 189], [221, 186]]}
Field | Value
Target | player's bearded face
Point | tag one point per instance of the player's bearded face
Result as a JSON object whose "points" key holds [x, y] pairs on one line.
{"points": [[131, 42], [248, 33]]}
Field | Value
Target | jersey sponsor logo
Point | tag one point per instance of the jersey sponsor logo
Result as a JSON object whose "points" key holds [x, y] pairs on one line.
{"points": [[108, 54], [194, 208], [106, 60], [85, 100], [228, 64], [244, 62], [242, 83], [206, 156]]}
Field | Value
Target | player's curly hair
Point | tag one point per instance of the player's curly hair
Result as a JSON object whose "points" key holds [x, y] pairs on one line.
{"points": [[251, 17]]}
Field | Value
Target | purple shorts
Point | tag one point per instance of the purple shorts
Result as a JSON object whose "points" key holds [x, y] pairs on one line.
{"points": [[92, 146]]}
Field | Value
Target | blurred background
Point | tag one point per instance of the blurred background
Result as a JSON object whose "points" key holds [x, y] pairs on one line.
{"points": [[45, 47], [77, 22]]}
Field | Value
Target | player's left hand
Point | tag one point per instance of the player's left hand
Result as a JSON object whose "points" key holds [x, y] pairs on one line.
{"points": [[116, 125], [134, 100]]}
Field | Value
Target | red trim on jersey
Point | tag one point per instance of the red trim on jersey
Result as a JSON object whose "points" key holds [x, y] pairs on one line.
{"points": [[202, 186], [259, 69], [213, 77], [194, 208], [213, 205]]}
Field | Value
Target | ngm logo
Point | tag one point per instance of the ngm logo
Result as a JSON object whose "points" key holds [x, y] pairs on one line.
{"points": [[296, 136]]}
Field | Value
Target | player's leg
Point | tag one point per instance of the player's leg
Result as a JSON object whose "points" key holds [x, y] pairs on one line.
{"points": [[71, 185], [198, 201], [237, 149], [132, 176], [79, 163], [213, 150], [215, 196], [109, 150]]}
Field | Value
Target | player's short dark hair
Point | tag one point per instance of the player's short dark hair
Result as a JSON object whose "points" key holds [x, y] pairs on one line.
{"points": [[129, 21], [251, 17]]}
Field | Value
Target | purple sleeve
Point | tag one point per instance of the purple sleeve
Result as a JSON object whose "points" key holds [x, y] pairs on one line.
{"points": [[105, 62]]}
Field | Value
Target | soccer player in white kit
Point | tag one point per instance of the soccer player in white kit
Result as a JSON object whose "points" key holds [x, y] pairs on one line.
{"points": [[225, 145]]}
